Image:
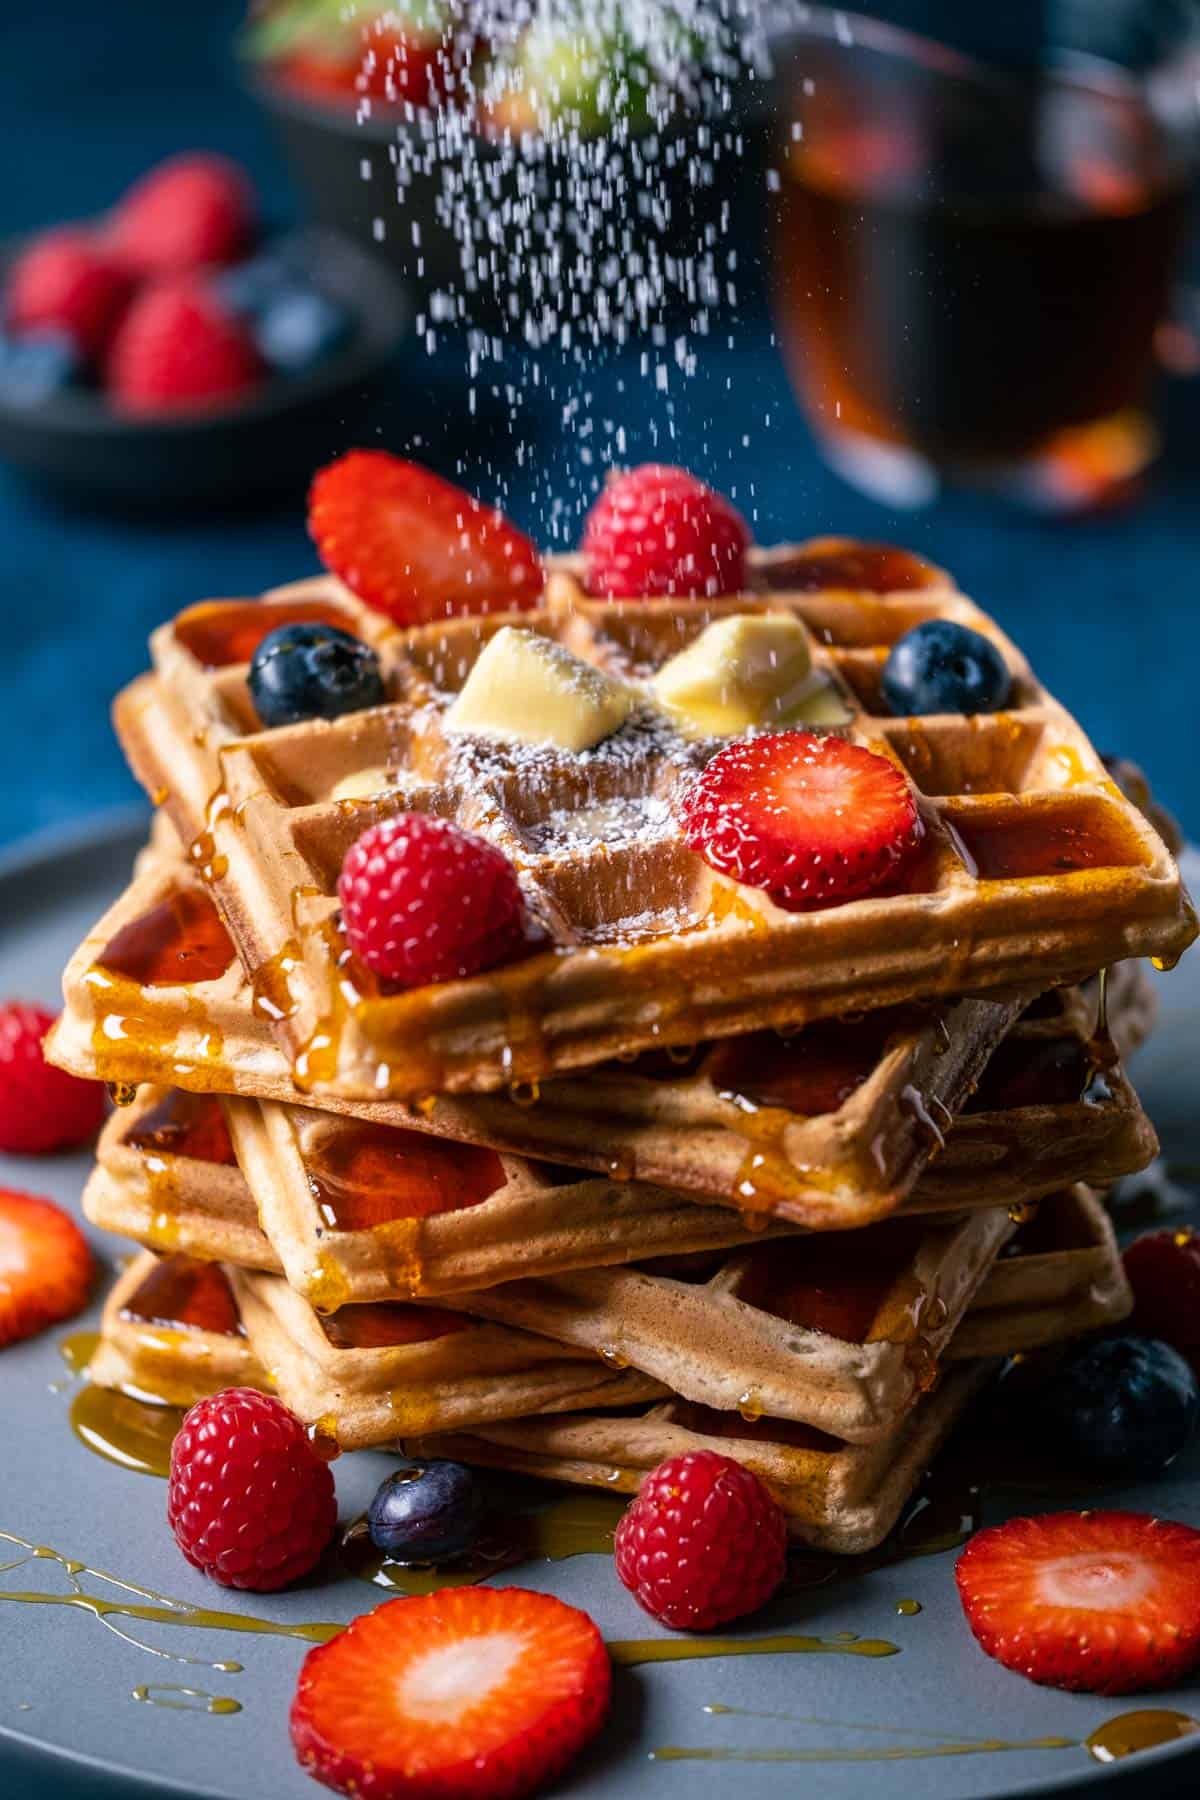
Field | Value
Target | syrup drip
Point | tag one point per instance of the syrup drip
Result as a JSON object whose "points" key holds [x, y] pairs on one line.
{"points": [[885, 1753], [1142, 1730], [908, 1609], [632, 1653], [122, 1093], [175, 1698], [270, 985], [131, 1433]]}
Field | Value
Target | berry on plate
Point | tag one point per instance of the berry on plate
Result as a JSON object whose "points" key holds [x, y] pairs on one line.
{"points": [[812, 820], [179, 350], [415, 546], [941, 667], [1096, 1602], [46, 1267], [38, 365], [423, 900], [192, 211], [1120, 1405], [41, 1107], [426, 1512], [66, 281], [470, 1691], [313, 672], [703, 1543], [1163, 1268], [250, 1501], [656, 530], [299, 328]]}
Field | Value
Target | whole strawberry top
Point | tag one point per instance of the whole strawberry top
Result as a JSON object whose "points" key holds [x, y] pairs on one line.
{"points": [[659, 531]]}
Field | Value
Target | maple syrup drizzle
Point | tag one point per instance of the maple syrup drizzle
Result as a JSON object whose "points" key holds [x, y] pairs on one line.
{"points": [[135, 1434], [1144, 1729], [632, 1653], [885, 1753], [177, 1698]]}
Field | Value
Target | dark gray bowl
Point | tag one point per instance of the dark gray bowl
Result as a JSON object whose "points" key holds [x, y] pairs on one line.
{"points": [[346, 169], [267, 443]]}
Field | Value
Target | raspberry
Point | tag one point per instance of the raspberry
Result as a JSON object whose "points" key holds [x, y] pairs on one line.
{"points": [[703, 1543], [41, 1107], [1164, 1272], [812, 820], [46, 1267], [658, 530], [190, 212], [67, 282], [250, 1502], [423, 900], [179, 350]]}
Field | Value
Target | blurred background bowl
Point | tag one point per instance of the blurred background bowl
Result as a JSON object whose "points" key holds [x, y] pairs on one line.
{"points": [[269, 442]]}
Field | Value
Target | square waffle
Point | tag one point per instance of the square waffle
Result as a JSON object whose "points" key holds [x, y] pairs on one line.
{"points": [[1036, 869], [840, 1497], [171, 1332], [834, 1332], [829, 1128], [371, 1374]]}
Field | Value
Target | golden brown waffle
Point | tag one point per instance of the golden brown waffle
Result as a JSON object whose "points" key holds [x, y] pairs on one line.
{"points": [[166, 1175], [372, 1374], [841, 1332], [841, 1497], [829, 1129], [1036, 871], [171, 1332]]}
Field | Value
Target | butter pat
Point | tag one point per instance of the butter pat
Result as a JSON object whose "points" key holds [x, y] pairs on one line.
{"points": [[747, 670], [534, 690]]}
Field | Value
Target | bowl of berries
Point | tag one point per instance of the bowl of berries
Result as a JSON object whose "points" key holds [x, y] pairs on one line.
{"points": [[506, 157], [173, 352]]}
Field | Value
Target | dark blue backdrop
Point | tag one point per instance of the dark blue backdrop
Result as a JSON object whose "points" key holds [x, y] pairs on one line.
{"points": [[89, 94]]}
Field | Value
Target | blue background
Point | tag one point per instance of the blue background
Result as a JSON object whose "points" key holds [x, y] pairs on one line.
{"points": [[89, 94]]}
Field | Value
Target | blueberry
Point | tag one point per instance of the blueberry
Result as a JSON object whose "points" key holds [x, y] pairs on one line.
{"points": [[1123, 1405], [941, 667], [36, 366], [426, 1512], [313, 672], [300, 327], [250, 286]]}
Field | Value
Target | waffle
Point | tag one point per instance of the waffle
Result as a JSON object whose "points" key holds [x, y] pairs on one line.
{"points": [[1036, 869], [369, 1375], [841, 1497], [166, 1176], [171, 1332], [828, 1129], [838, 1332]]}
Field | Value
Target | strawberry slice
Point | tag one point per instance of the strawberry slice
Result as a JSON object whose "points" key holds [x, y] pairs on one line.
{"points": [[417, 547], [46, 1267], [466, 1692], [812, 820], [1096, 1602]]}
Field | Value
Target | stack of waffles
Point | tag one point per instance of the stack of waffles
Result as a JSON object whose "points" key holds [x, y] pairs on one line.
{"points": [[695, 1171]]}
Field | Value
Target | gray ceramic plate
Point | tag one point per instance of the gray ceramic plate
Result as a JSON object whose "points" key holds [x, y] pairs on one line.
{"points": [[70, 1726]]}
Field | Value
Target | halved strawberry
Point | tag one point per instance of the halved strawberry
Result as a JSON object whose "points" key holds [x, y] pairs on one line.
{"points": [[46, 1267], [415, 546], [1096, 1602], [469, 1691], [813, 820]]}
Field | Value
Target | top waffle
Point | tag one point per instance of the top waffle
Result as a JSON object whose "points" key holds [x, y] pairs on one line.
{"points": [[1036, 869]]}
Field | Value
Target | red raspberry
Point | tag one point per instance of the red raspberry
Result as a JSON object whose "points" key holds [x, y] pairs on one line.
{"points": [[190, 211], [423, 900], [1164, 1272], [249, 1500], [703, 1543], [658, 530], [41, 1107], [179, 350], [65, 281]]}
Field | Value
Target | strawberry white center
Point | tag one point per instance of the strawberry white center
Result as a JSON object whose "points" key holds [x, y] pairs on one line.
{"points": [[448, 1680], [1107, 1583], [14, 1251]]}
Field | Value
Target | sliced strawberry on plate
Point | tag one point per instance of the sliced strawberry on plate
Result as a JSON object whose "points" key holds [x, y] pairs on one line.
{"points": [[46, 1267], [1096, 1602], [812, 820], [417, 547], [470, 1691]]}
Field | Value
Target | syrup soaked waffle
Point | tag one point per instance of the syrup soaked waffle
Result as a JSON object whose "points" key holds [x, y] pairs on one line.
{"points": [[828, 1128], [356, 1211], [840, 1497], [369, 1375], [171, 1332], [838, 1332], [1036, 870]]}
